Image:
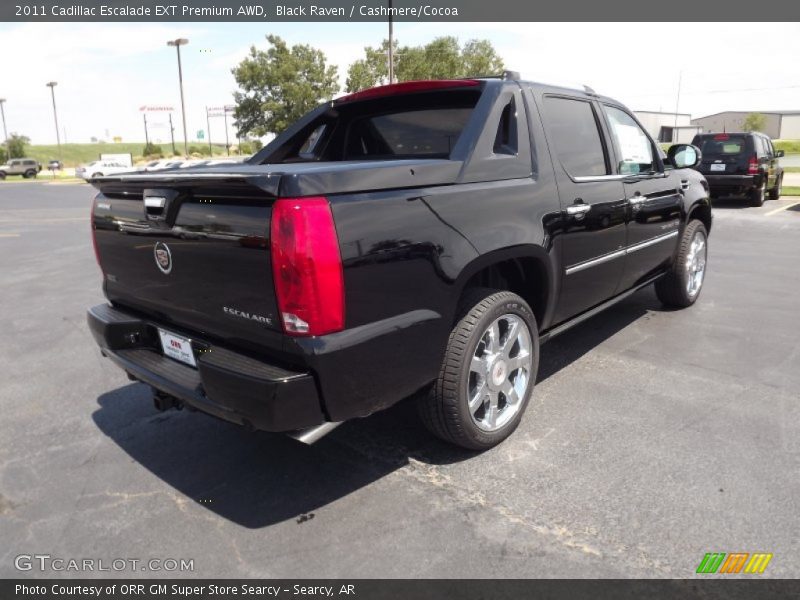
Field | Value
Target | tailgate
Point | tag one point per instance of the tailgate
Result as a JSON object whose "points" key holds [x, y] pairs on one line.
{"points": [[192, 253], [725, 154]]}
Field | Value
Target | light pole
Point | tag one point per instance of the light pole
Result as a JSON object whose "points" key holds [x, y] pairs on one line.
{"points": [[390, 53], [52, 85], [5, 133], [178, 43]]}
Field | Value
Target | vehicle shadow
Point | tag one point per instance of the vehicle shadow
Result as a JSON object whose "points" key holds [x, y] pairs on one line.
{"points": [[568, 347], [732, 202], [256, 479]]}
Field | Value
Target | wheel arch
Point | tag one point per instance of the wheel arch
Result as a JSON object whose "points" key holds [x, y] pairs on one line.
{"points": [[527, 270], [701, 210]]}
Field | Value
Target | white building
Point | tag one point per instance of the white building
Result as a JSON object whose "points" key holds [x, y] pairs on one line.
{"points": [[779, 125], [668, 127]]}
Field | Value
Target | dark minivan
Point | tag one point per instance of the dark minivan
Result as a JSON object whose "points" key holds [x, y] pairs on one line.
{"points": [[740, 164]]}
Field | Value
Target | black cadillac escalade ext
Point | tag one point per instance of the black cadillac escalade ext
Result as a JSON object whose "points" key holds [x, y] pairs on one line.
{"points": [[421, 238]]}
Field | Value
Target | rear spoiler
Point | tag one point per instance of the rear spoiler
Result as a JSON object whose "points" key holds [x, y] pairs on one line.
{"points": [[297, 179]]}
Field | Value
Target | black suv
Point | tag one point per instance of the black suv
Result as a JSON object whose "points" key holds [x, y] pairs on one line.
{"points": [[415, 239], [740, 164]]}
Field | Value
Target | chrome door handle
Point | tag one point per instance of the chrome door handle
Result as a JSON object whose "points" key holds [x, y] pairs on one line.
{"points": [[578, 209]]}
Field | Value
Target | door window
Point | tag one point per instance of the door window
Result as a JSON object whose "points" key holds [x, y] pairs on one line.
{"points": [[759, 146], [635, 148], [768, 148], [576, 136]]}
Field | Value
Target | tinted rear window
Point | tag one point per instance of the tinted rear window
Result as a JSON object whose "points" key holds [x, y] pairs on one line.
{"points": [[431, 132], [423, 125], [722, 146]]}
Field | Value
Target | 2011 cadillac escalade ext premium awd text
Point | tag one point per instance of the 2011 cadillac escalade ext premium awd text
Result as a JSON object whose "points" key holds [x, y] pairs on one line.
{"points": [[420, 238]]}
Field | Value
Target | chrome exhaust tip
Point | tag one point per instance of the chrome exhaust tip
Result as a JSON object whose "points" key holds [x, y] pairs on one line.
{"points": [[313, 434]]}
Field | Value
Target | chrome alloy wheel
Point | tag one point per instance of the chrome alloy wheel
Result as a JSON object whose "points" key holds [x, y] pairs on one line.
{"points": [[696, 264], [499, 372]]}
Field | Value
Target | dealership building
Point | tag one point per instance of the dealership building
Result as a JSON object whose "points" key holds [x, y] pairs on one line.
{"points": [[781, 125]]}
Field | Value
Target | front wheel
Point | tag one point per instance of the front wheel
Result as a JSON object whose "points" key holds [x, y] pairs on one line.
{"points": [[681, 286], [488, 372]]}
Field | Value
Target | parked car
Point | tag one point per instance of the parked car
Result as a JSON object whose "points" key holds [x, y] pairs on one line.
{"points": [[741, 164], [164, 163], [417, 239], [55, 165], [27, 167], [101, 168]]}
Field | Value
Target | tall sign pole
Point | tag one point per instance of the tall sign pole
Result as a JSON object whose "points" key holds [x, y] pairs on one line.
{"points": [[208, 124]]}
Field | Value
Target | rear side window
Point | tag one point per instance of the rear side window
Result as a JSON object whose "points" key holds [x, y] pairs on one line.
{"points": [[309, 147], [576, 136], [428, 133], [722, 145]]}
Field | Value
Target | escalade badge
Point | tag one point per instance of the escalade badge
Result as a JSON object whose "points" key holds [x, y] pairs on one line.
{"points": [[163, 257]]}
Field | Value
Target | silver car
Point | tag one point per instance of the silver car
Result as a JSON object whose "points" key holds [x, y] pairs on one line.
{"points": [[101, 168]]}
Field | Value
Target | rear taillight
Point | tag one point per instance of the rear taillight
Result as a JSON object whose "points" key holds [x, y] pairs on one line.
{"points": [[307, 266], [752, 166], [94, 238]]}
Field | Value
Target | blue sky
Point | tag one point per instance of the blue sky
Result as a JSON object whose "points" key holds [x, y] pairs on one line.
{"points": [[107, 71]]}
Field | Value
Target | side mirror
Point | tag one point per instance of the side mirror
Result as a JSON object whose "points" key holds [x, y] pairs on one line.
{"points": [[779, 154], [684, 156]]}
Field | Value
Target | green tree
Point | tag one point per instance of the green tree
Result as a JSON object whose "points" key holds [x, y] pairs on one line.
{"points": [[754, 122], [16, 145], [443, 58], [280, 85], [3, 157]]}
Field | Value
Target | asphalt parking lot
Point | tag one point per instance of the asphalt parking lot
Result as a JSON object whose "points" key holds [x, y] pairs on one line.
{"points": [[653, 437]]}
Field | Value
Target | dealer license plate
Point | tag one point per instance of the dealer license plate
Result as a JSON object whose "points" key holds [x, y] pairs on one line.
{"points": [[177, 347], [717, 166]]}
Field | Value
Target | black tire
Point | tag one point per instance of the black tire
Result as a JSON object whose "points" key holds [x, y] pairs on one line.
{"points": [[759, 194], [775, 192], [444, 409], [2, 175], [673, 288], [96, 175], [30, 173]]}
